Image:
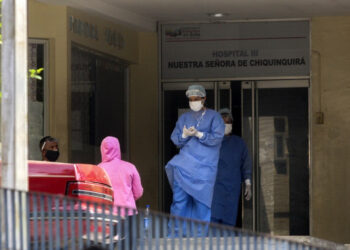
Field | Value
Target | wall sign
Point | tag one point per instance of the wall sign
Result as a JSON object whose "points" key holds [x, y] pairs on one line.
{"points": [[114, 38], [88, 30], [231, 50], [83, 28]]}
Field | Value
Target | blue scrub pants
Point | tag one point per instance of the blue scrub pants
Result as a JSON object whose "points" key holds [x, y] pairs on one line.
{"points": [[184, 205]]}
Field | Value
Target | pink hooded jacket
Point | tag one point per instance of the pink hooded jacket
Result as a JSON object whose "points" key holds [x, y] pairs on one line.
{"points": [[125, 179]]}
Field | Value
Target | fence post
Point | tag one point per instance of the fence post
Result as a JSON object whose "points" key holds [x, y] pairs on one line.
{"points": [[14, 169]]}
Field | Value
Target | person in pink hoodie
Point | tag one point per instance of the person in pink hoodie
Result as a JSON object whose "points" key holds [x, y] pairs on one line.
{"points": [[125, 179]]}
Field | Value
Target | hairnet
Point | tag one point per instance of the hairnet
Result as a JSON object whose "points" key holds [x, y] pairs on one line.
{"points": [[195, 90], [226, 111]]}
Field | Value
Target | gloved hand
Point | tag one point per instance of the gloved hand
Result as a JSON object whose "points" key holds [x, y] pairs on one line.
{"points": [[247, 189], [195, 132], [186, 132]]}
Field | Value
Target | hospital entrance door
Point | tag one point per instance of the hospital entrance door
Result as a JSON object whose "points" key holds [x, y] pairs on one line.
{"points": [[275, 127]]}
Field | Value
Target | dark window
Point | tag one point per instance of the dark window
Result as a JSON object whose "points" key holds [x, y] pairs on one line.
{"points": [[98, 103]]}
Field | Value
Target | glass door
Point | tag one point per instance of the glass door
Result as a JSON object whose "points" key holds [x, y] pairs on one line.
{"points": [[98, 89], [275, 128]]}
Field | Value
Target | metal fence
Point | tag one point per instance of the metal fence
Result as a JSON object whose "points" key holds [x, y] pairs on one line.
{"points": [[41, 221]]}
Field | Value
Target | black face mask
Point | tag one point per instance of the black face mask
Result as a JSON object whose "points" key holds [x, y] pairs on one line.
{"points": [[52, 155]]}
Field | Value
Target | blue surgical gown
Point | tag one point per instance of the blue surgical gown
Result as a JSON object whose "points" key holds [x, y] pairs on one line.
{"points": [[234, 167], [194, 167]]}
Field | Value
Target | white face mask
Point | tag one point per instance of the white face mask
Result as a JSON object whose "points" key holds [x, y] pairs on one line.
{"points": [[228, 129], [196, 105]]}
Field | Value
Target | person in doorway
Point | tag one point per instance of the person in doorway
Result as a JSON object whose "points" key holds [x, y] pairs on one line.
{"points": [[49, 149], [191, 173], [234, 168]]}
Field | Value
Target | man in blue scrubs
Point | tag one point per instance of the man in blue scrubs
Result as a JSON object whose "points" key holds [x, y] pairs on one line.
{"points": [[191, 173], [234, 167]]}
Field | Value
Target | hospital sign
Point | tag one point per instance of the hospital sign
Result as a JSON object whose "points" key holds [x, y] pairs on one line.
{"points": [[235, 50]]}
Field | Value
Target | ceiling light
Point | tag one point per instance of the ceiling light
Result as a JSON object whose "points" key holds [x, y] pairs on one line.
{"points": [[217, 15]]}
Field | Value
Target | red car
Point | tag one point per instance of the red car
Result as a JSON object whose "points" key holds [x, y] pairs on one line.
{"points": [[87, 183], [83, 181]]}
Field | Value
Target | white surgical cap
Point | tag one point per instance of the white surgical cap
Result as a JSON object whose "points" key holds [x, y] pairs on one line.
{"points": [[195, 90], [226, 111]]}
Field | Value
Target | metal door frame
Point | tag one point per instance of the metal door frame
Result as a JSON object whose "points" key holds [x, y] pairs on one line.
{"points": [[269, 84]]}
